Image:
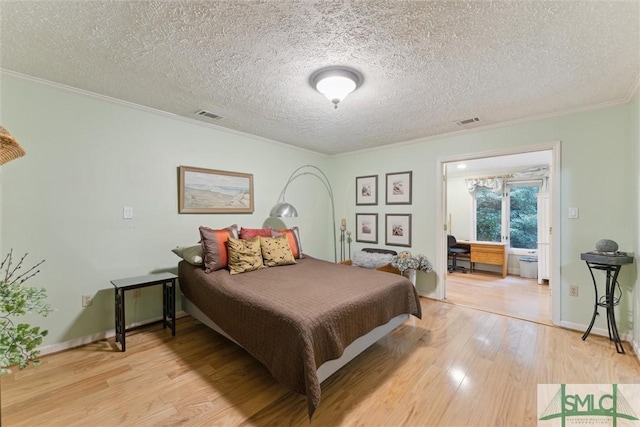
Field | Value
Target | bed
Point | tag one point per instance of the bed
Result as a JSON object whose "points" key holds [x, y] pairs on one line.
{"points": [[302, 321]]}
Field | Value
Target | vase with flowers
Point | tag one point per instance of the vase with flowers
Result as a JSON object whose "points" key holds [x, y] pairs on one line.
{"points": [[409, 264]]}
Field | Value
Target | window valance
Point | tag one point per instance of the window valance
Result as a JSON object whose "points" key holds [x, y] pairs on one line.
{"points": [[497, 183]]}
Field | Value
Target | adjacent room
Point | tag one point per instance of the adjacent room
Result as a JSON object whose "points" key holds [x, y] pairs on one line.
{"points": [[378, 213], [499, 245]]}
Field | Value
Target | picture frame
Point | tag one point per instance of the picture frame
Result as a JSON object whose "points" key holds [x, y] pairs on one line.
{"points": [[214, 191], [398, 188], [367, 227], [367, 190], [398, 229]]}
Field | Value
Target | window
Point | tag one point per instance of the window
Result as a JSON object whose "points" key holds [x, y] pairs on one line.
{"points": [[523, 216], [515, 210], [488, 215]]}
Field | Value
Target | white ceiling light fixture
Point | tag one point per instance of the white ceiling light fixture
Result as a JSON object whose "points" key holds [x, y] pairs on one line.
{"points": [[336, 82]]}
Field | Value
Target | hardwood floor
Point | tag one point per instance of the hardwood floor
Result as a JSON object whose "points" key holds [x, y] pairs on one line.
{"points": [[457, 366], [511, 296]]}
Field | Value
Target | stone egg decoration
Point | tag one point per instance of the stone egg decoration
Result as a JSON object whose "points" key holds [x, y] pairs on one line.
{"points": [[606, 245]]}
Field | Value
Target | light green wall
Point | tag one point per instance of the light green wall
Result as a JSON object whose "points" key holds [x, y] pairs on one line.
{"points": [[86, 159], [597, 176], [634, 112]]}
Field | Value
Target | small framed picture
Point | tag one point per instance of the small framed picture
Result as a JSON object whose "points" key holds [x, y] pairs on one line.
{"points": [[367, 228], [367, 190], [398, 228], [399, 188]]}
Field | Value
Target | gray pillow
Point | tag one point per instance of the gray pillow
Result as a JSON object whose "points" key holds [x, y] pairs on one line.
{"points": [[370, 260], [191, 254]]}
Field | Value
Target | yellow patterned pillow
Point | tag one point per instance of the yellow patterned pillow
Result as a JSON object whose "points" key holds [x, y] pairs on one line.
{"points": [[276, 251], [244, 255]]}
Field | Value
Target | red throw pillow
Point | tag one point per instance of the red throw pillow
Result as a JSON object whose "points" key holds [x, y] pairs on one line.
{"points": [[250, 233]]}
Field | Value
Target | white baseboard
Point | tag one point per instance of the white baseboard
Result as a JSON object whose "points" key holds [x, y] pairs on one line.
{"points": [[596, 331], [88, 339]]}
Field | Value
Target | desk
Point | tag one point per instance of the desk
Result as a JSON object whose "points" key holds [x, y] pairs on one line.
{"points": [[494, 253], [168, 282], [610, 264]]}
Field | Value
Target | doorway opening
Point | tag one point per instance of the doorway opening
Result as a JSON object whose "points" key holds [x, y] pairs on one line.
{"points": [[509, 222]]}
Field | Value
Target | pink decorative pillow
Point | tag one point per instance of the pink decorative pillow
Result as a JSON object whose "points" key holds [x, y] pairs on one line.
{"points": [[214, 246], [250, 233], [293, 236]]}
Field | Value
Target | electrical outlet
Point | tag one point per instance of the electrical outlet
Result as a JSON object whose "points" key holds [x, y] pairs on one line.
{"points": [[573, 290], [136, 293], [87, 300]]}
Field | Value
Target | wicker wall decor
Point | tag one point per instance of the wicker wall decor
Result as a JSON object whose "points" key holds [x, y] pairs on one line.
{"points": [[9, 147]]}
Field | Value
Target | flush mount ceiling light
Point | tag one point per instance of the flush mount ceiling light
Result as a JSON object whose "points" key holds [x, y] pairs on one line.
{"points": [[335, 82]]}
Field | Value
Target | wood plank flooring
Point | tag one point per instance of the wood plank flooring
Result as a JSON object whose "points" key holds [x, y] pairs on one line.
{"points": [[455, 367], [511, 296]]}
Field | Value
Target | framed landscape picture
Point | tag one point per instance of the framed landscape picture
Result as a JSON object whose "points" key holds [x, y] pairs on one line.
{"points": [[398, 229], [214, 191], [367, 190], [399, 188], [367, 228]]}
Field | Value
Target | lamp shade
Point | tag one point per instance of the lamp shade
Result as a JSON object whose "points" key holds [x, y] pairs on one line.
{"points": [[9, 147], [335, 83], [336, 88], [283, 210]]}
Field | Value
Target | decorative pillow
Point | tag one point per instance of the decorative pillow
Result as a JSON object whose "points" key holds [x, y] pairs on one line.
{"points": [[276, 251], [370, 260], [250, 233], [214, 246], [293, 236], [191, 254], [244, 255]]}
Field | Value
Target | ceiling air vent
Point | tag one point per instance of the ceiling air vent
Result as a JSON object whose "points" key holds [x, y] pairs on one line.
{"points": [[466, 121], [209, 115]]}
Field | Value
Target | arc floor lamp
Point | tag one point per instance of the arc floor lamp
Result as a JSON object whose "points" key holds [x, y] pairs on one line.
{"points": [[282, 209]]}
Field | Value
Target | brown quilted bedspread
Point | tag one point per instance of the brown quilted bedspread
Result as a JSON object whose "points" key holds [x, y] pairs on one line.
{"points": [[294, 318]]}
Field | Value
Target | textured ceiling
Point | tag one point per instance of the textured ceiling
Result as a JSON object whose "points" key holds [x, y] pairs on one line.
{"points": [[425, 64]]}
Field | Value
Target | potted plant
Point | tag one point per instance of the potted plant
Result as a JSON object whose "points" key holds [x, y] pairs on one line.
{"points": [[19, 341]]}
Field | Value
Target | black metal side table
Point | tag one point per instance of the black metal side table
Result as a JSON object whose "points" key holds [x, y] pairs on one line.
{"points": [[168, 282], [611, 265]]}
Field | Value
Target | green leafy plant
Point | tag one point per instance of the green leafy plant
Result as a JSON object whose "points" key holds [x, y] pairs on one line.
{"points": [[19, 341]]}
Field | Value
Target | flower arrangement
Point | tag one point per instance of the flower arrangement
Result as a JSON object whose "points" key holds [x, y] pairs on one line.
{"points": [[405, 261], [19, 341]]}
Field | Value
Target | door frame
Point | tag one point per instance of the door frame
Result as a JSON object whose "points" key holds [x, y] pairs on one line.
{"points": [[555, 177]]}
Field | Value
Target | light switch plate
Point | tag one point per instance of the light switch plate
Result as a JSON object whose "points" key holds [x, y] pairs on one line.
{"points": [[573, 213], [127, 212]]}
